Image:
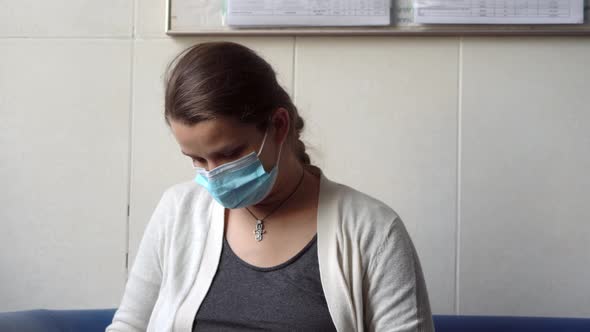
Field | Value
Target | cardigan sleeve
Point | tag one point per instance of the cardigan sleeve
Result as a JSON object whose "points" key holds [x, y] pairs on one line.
{"points": [[397, 299], [145, 277]]}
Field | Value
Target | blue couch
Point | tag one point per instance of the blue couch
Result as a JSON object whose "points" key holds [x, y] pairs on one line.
{"points": [[97, 320]]}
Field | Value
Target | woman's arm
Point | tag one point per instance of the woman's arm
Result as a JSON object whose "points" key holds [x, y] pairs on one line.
{"points": [[145, 277], [397, 299]]}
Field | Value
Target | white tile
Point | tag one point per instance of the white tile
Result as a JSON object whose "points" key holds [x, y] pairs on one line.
{"points": [[63, 18], [64, 109], [150, 21], [382, 117], [156, 159], [524, 246], [201, 15]]}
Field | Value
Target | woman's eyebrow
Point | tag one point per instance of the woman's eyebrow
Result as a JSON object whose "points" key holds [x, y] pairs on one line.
{"points": [[230, 149], [224, 150], [188, 155]]}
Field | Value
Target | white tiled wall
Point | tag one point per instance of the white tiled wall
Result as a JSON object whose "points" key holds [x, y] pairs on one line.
{"points": [[64, 18], [525, 177], [480, 144], [150, 20], [64, 126], [371, 130]]}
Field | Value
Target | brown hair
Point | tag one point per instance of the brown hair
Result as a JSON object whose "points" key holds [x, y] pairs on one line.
{"points": [[215, 79]]}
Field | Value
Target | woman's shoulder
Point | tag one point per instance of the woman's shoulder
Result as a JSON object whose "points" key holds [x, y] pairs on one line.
{"points": [[359, 220], [357, 211], [184, 208], [187, 194], [181, 202]]}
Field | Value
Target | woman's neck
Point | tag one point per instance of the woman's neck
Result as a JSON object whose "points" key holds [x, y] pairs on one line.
{"points": [[293, 178]]}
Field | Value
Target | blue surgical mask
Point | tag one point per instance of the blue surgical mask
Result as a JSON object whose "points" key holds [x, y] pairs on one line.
{"points": [[239, 183]]}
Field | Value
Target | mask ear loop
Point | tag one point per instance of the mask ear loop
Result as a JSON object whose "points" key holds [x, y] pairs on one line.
{"points": [[280, 150], [280, 147], [262, 145], [279, 155]]}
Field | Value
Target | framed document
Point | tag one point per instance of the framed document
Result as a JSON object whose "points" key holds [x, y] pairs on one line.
{"points": [[209, 17]]}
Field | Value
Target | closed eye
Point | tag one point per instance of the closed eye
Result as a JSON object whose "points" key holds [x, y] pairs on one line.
{"points": [[224, 155], [195, 159], [198, 160], [232, 153]]}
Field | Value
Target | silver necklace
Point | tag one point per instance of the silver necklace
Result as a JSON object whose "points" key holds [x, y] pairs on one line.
{"points": [[259, 229]]}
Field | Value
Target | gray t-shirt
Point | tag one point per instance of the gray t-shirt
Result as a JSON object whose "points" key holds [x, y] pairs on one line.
{"points": [[286, 297]]}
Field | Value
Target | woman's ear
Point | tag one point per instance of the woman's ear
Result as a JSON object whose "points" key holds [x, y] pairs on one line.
{"points": [[281, 123]]}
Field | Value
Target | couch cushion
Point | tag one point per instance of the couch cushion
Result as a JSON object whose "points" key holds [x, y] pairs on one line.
{"points": [[56, 320], [453, 323]]}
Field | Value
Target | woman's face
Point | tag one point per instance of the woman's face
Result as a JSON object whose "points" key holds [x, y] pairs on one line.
{"points": [[215, 142]]}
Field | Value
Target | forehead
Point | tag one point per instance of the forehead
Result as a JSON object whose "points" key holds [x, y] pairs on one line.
{"points": [[210, 135]]}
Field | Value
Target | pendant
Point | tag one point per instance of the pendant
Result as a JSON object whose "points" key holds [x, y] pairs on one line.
{"points": [[259, 230]]}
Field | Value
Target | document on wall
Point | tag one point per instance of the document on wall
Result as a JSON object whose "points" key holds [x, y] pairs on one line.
{"points": [[499, 11], [252, 13]]}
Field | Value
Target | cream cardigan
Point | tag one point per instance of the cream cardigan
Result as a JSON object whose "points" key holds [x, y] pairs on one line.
{"points": [[369, 269]]}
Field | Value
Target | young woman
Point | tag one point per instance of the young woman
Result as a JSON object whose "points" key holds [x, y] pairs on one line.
{"points": [[261, 239]]}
